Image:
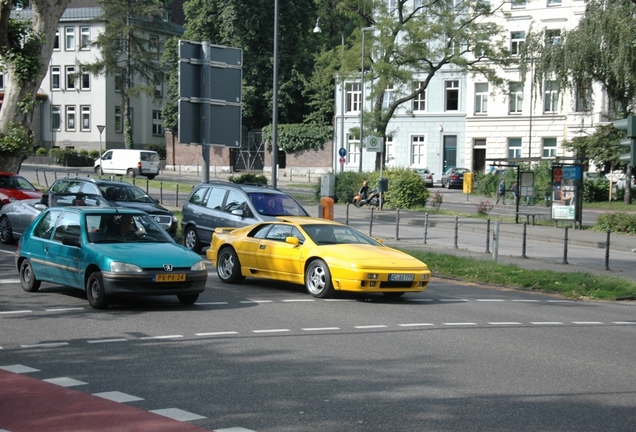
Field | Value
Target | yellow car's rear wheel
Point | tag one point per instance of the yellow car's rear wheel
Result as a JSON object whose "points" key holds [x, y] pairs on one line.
{"points": [[318, 279]]}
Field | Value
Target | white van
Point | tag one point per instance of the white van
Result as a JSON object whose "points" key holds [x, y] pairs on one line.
{"points": [[129, 163]]}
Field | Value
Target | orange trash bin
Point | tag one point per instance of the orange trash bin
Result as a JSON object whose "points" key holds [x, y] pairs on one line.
{"points": [[326, 204]]}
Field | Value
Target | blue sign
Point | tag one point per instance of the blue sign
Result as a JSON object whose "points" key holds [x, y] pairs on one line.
{"points": [[342, 152]]}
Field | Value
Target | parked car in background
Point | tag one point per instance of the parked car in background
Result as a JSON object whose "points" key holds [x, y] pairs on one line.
{"points": [[14, 187], [323, 255], [107, 252], [117, 193], [223, 204], [454, 177], [16, 217], [426, 175], [128, 162]]}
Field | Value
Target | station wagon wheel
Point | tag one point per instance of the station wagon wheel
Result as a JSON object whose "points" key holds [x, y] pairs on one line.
{"points": [[130, 173], [318, 279], [95, 292], [191, 239], [6, 232], [27, 277], [228, 266], [188, 299]]}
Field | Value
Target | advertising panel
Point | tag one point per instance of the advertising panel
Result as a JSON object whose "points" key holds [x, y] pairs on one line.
{"points": [[566, 183]]}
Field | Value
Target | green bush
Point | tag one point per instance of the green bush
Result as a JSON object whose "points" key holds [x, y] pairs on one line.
{"points": [[619, 222], [83, 152], [58, 154], [406, 189], [595, 190], [41, 151], [94, 154], [249, 178]]}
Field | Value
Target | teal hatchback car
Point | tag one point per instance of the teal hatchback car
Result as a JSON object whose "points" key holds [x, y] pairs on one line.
{"points": [[107, 252]]}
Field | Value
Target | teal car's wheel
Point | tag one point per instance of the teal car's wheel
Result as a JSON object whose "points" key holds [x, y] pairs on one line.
{"points": [[318, 279], [191, 239], [228, 266], [188, 299], [27, 277], [95, 292]]}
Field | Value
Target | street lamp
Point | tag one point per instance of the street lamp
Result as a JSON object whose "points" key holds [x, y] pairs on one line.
{"points": [[275, 100], [100, 128], [317, 29], [362, 94]]}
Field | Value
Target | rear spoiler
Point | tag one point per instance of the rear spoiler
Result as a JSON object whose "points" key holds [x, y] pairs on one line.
{"points": [[223, 230]]}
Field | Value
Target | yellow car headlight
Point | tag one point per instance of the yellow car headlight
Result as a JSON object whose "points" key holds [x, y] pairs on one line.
{"points": [[372, 275]]}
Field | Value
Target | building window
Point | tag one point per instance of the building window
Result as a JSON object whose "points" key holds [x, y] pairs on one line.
{"points": [[85, 81], [389, 149], [518, 3], [418, 151], [353, 97], [389, 97], [514, 148], [419, 101], [70, 77], [70, 117], [85, 38], [56, 117], [481, 98], [56, 41], [554, 2], [154, 46], [583, 99], [353, 150], [417, 7], [549, 147], [550, 97], [157, 123], [553, 37], [517, 39], [55, 77], [86, 117], [452, 95], [159, 85], [515, 96], [119, 124], [69, 33]]}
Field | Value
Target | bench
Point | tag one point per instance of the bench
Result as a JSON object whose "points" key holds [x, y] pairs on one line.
{"points": [[529, 215]]}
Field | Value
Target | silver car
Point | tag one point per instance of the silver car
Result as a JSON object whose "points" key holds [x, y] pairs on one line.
{"points": [[426, 175]]}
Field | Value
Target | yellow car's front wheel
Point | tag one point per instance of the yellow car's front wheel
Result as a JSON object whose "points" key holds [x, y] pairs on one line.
{"points": [[228, 266], [318, 279]]}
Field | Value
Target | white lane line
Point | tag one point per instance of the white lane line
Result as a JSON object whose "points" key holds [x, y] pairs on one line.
{"points": [[15, 312], [624, 322], [504, 323], [271, 331], [527, 301], [256, 301], [177, 414], [64, 309], [298, 300], [320, 328], [490, 300], [210, 303], [18, 368], [45, 345], [453, 300], [161, 337], [65, 382], [340, 300], [9, 281], [217, 333], [560, 301], [370, 326], [117, 396], [234, 429], [419, 300], [94, 341], [460, 324], [546, 323], [587, 322], [415, 324]]}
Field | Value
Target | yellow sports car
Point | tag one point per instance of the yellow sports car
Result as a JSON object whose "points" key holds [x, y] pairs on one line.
{"points": [[323, 255]]}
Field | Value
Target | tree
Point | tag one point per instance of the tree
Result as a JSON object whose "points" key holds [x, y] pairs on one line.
{"points": [[600, 50], [25, 52], [410, 46], [128, 52]]}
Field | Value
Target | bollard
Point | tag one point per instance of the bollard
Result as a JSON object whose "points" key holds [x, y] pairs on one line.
{"points": [[456, 228], [371, 223], [495, 241], [320, 209], [309, 176], [565, 246], [46, 180], [176, 197], [347, 214], [161, 192], [397, 225], [488, 235], [425, 227], [523, 242], [147, 182], [37, 176], [291, 173], [607, 246]]}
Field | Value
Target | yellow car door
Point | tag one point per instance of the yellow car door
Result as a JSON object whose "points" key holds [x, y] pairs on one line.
{"points": [[279, 259]]}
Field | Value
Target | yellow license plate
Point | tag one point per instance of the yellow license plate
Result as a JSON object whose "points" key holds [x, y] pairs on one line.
{"points": [[169, 277]]}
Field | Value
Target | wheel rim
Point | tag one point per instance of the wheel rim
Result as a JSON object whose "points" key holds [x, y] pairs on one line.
{"points": [[190, 239], [4, 230], [94, 291], [226, 265], [316, 280], [27, 275]]}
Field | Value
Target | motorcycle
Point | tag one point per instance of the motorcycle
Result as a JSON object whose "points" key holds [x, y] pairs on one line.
{"points": [[373, 199]]}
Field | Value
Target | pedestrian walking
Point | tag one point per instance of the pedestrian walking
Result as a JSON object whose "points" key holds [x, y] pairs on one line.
{"points": [[501, 192], [515, 192]]}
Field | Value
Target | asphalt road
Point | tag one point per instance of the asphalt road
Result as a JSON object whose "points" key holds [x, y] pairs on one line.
{"points": [[266, 356]]}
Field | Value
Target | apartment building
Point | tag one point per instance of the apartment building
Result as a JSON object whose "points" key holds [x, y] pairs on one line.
{"points": [[76, 103], [462, 121]]}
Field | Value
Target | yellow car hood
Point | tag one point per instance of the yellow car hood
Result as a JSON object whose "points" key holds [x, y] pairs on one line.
{"points": [[367, 256]]}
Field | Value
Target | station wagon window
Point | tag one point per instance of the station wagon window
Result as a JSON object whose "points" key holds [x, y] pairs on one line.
{"points": [[44, 228], [235, 201], [215, 198], [198, 196]]}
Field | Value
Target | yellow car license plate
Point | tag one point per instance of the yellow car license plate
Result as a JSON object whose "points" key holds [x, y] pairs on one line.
{"points": [[169, 277]]}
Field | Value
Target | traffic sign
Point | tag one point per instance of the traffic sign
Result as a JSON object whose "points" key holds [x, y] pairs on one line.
{"points": [[342, 152], [343, 160]]}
